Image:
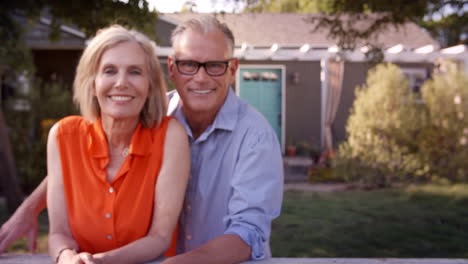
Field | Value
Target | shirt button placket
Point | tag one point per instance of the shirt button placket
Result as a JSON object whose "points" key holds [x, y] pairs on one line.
{"points": [[109, 233]]}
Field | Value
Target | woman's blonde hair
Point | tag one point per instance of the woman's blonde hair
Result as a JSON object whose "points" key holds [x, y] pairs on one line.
{"points": [[155, 106]]}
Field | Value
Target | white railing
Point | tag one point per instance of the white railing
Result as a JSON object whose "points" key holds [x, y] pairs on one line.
{"points": [[44, 259]]}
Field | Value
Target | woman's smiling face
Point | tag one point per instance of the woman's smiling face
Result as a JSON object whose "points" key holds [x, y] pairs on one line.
{"points": [[122, 83]]}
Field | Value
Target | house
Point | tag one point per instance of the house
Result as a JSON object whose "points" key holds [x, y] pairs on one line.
{"points": [[53, 60], [298, 79]]}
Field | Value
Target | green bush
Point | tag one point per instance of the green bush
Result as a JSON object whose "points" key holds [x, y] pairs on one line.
{"points": [[47, 102], [444, 139], [395, 136]]}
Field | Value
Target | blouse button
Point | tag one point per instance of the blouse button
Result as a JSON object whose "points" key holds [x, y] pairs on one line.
{"points": [[108, 215], [109, 237], [111, 190]]}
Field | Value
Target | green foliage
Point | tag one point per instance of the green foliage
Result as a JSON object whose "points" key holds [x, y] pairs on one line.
{"points": [[444, 138], [383, 109], [91, 15], [294, 6], [315, 175], [394, 137], [449, 29], [87, 15], [48, 103], [353, 22]]}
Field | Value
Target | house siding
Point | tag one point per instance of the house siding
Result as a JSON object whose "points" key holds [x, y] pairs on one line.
{"points": [[163, 33], [302, 102]]}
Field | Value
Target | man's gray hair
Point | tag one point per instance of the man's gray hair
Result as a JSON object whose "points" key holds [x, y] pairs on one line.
{"points": [[204, 24]]}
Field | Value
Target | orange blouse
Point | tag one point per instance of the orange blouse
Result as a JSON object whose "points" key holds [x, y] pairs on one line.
{"points": [[102, 215]]}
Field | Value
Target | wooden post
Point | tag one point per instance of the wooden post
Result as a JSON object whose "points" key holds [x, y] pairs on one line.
{"points": [[8, 176]]}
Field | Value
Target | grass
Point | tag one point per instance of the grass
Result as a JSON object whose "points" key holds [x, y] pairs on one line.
{"points": [[412, 222]]}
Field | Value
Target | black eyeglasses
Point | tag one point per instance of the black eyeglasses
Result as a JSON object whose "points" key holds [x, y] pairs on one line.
{"points": [[212, 68]]}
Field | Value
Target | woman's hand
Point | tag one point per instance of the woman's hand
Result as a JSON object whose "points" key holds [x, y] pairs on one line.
{"points": [[69, 256], [87, 258]]}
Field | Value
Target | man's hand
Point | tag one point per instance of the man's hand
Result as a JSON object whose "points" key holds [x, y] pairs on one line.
{"points": [[22, 223], [226, 249]]}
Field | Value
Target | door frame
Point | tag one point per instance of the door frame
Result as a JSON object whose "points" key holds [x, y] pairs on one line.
{"points": [[282, 68]]}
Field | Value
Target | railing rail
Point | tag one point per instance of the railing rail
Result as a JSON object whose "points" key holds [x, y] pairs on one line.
{"points": [[44, 259]]}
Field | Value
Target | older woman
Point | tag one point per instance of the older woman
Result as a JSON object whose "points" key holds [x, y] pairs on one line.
{"points": [[118, 173]]}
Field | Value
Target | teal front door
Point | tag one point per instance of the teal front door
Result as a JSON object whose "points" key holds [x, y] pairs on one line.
{"points": [[262, 89]]}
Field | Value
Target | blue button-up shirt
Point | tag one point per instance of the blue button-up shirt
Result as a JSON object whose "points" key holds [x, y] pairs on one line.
{"points": [[236, 182]]}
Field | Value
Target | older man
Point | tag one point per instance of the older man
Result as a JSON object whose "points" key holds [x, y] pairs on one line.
{"points": [[236, 183]]}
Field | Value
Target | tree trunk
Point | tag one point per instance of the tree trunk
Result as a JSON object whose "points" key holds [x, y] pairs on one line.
{"points": [[8, 177]]}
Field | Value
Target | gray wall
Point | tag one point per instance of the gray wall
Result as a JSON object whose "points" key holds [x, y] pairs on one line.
{"points": [[354, 74], [163, 33], [302, 100]]}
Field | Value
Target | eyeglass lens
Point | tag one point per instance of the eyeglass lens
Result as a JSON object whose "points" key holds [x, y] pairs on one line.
{"points": [[214, 68]]}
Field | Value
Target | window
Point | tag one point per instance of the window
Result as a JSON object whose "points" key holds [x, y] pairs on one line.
{"points": [[416, 77]]}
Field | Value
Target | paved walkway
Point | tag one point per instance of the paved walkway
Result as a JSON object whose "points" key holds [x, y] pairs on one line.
{"points": [[317, 187]]}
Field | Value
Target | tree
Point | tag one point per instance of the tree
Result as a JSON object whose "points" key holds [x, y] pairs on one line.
{"points": [[189, 6], [341, 16], [296, 6], [449, 30], [87, 15]]}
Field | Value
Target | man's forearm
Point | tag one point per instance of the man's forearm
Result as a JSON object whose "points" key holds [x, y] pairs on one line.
{"points": [[223, 249], [24, 220], [37, 201]]}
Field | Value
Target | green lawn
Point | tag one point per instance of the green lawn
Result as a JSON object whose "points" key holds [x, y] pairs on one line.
{"points": [[426, 221]]}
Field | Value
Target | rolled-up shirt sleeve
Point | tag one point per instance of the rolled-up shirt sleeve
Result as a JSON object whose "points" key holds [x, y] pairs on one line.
{"points": [[257, 191]]}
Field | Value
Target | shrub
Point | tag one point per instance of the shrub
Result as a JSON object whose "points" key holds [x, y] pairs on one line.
{"points": [[47, 102], [392, 136], [444, 139]]}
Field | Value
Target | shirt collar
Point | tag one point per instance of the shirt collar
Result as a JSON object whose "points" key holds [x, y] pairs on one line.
{"points": [[226, 118]]}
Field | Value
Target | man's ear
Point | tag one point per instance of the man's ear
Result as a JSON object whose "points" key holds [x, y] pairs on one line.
{"points": [[233, 65], [171, 67]]}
